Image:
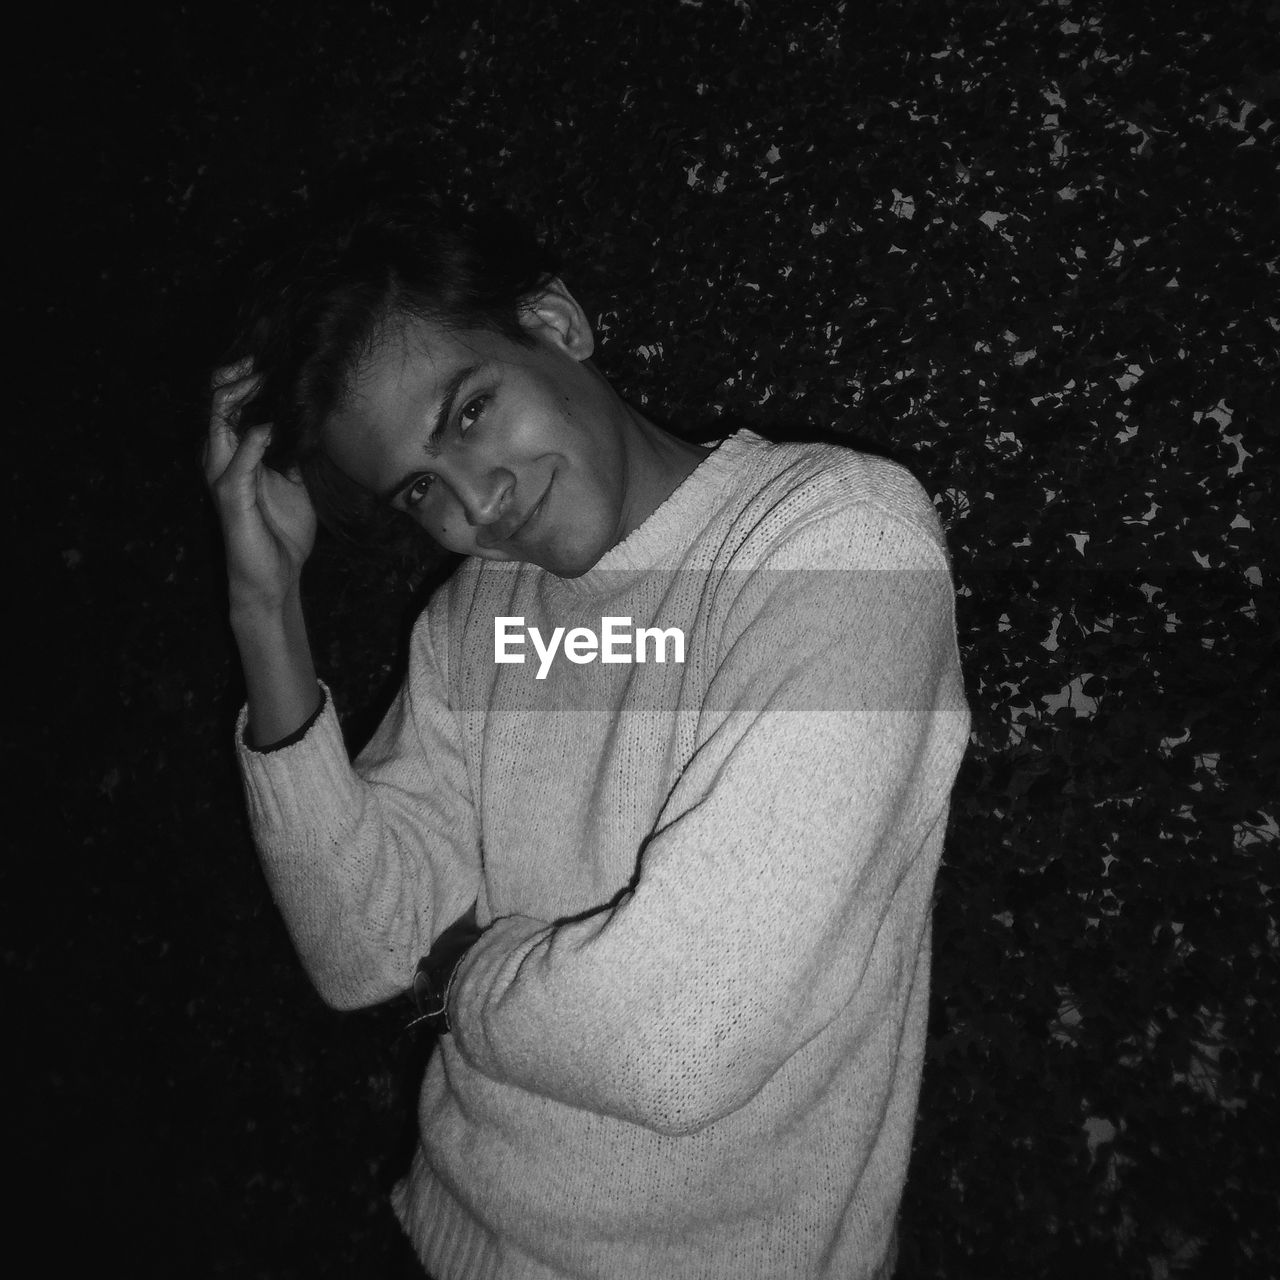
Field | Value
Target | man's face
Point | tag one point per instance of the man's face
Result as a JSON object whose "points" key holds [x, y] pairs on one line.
{"points": [[497, 450]]}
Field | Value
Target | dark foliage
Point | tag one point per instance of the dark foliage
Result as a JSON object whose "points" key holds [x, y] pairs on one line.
{"points": [[1030, 250]]}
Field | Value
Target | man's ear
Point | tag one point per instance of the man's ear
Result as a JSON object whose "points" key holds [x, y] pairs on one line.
{"points": [[553, 314]]}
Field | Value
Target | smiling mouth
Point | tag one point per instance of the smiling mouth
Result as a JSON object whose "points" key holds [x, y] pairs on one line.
{"points": [[489, 543]]}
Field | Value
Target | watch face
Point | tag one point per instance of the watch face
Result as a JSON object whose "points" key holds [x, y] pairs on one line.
{"points": [[428, 993], [433, 978], [422, 985]]}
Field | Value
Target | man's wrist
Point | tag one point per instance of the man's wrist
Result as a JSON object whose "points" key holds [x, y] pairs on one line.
{"points": [[253, 614], [437, 971], [289, 739]]}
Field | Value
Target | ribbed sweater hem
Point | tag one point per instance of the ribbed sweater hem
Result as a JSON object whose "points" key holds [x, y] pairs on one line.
{"points": [[449, 1242], [452, 1245]]}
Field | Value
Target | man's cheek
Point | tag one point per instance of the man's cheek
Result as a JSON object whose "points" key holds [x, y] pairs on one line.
{"points": [[454, 535], [447, 531]]}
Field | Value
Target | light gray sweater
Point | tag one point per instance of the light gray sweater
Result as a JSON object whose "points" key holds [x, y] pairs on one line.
{"points": [[689, 1042]]}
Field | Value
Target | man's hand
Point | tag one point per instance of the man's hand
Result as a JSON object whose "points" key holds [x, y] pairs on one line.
{"points": [[269, 526], [268, 521]]}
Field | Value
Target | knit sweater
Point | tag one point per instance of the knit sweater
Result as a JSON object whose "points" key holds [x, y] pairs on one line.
{"points": [[688, 1043]]}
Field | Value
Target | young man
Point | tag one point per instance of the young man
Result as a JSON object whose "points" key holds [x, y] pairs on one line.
{"points": [[682, 730]]}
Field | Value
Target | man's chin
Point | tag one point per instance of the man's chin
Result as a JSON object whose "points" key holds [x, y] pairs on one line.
{"points": [[567, 562]]}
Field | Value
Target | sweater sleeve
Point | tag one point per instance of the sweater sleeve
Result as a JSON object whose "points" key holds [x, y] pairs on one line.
{"points": [[369, 862], [784, 879]]}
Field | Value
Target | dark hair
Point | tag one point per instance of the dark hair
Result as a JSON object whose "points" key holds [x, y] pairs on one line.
{"points": [[318, 311]]}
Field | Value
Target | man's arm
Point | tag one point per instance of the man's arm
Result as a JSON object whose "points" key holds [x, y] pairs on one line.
{"points": [[368, 864], [786, 875], [268, 529]]}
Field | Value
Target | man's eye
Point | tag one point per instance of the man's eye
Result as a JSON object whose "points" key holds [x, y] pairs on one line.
{"points": [[417, 491], [471, 411]]}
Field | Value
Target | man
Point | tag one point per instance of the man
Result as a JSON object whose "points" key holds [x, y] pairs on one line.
{"points": [[698, 823]]}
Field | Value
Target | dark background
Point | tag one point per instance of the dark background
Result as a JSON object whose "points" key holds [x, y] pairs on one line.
{"points": [[1027, 249]]}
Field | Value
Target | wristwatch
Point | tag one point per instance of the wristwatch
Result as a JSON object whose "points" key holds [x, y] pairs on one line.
{"points": [[433, 978]]}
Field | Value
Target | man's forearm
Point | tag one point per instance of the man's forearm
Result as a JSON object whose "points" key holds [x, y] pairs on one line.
{"points": [[279, 672]]}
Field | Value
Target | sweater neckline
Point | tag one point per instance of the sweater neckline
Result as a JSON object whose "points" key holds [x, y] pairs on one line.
{"points": [[667, 528]]}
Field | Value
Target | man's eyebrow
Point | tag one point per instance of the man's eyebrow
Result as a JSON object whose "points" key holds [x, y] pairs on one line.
{"points": [[457, 379]]}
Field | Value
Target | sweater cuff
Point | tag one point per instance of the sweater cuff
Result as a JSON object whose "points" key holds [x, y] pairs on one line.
{"points": [[288, 787]]}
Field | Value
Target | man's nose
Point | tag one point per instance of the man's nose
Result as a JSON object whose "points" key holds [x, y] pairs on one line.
{"points": [[485, 497]]}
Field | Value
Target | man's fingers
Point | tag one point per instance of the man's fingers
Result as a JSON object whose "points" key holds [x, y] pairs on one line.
{"points": [[231, 373], [233, 385], [231, 460], [219, 447], [248, 454], [228, 397]]}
